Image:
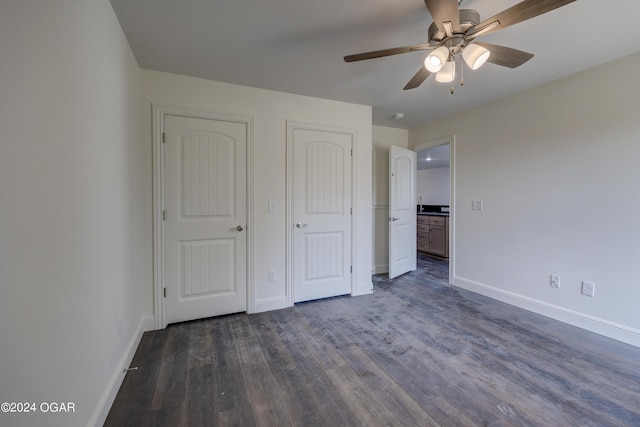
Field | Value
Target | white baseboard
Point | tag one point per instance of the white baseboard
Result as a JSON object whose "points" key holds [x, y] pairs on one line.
{"points": [[594, 324], [381, 269], [363, 288], [101, 411], [268, 304], [148, 323]]}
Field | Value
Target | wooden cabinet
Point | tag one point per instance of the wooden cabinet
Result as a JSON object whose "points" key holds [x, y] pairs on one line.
{"points": [[433, 235], [423, 233], [438, 239]]}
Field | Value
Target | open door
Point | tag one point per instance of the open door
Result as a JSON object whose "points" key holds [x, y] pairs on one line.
{"points": [[402, 211]]}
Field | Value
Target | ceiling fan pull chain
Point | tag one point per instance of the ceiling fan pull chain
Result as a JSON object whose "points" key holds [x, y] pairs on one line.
{"points": [[453, 59], [461, 73]]}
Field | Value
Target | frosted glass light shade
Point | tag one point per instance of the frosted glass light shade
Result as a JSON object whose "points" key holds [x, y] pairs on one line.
{"points": [[475, 56], [436, 59], [447, 73]]}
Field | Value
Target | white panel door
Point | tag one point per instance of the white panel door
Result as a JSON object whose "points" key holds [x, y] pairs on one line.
{"points": [[402, 211], [205, 243], [321, 203]]}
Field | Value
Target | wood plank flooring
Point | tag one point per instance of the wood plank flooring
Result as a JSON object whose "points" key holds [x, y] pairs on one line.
{"points": [[417, 352]]}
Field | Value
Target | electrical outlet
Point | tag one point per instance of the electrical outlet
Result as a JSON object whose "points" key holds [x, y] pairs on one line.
{"points": [[554, 281], [273, 275], [476, 205], [588, 288]]}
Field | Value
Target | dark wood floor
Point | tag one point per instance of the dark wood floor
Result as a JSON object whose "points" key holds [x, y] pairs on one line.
{"points": [[415, 353]]}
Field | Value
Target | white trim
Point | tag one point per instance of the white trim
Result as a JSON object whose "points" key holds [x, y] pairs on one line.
{"points": [[159, 113], [269, 304], [594, 324], [293, 125], [103, 407], [379, 268], [451, 140]]}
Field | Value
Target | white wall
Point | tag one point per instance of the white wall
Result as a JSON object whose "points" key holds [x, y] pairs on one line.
{"points": [[70, 207], [433, 186], [557, 169], [270, 111], [383, 139]]}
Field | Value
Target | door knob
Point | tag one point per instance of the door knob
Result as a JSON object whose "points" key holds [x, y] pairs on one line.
{"points": [[239, 228], [300, 225], [393, 218]]}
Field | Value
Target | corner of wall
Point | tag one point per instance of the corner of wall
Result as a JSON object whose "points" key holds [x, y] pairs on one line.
{"points": [[101, 411]]}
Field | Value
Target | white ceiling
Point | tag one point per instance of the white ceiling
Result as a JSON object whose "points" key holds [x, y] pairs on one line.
{"points": [[297, 46], [434, 157]]}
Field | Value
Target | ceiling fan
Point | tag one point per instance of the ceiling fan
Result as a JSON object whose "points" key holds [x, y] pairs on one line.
{"points": [[454, 31]]}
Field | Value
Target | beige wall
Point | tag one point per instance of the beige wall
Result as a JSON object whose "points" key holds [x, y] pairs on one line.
{"points": [[270, 112], [70, 208], [383, 138], [557, 170]]}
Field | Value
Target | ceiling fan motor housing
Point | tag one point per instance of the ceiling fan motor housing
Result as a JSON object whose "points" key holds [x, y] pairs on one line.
{"points": [[468, 19]]}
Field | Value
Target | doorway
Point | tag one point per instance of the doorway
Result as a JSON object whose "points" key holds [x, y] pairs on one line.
{"points": [[435, 189]]}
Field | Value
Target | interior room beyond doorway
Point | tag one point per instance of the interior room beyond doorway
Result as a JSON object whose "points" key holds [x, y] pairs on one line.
{"points": [[433, 193]]}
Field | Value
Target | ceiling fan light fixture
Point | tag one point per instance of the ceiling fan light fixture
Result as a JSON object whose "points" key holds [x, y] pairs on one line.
{"points": [[475, 56], [447, 73], [436, 59]]}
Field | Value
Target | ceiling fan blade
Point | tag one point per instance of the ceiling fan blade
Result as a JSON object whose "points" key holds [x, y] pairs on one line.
{"points": [[444, 11], [387, 52], [417, 80], [506, 56], [522, 11]]}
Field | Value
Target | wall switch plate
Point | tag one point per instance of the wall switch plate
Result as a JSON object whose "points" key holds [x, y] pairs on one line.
{"points": [[554, 281], [476, 205], [588, 288], [271, 207], [273, 276]]}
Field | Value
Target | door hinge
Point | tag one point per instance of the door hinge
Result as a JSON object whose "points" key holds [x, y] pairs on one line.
{"points": [[164, 215], [164, 292], [164, 137], [350, 211], [352, 152], [351, 269]]}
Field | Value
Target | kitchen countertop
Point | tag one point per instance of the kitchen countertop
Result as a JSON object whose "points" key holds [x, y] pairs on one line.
{"points": [[434, 213]]}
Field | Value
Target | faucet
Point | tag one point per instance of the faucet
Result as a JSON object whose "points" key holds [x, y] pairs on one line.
{"points": [[420, 200]]}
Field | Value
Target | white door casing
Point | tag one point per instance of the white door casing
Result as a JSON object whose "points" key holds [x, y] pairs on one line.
{"points": [[205, 200], [402, 211], [321, 211]]}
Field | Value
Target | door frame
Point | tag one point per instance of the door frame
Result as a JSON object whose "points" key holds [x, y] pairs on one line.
{"points": [[292, 126], [159, 112], [451, 140]]}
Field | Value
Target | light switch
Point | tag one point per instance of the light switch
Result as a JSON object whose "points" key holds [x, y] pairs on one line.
{"points": [[588, 288], [271, 207], [476, 205]]}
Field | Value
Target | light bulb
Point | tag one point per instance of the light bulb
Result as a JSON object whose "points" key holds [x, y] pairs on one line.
{"points": [[475, 56], [447, 73], [436, 59]]}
